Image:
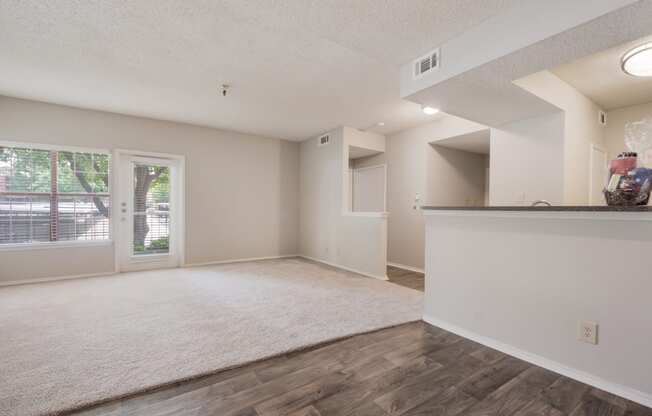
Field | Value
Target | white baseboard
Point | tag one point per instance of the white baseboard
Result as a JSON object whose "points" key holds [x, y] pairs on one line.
{"points": [[348, 269], [570, 372], [404, 267], [54, 279], [87, 275], [209, 263]]}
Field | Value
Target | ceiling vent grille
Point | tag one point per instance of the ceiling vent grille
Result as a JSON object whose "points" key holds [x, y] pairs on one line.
{"points": [[324, 140], [426, 63]]}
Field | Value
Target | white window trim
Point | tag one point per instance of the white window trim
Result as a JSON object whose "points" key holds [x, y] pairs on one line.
{"points": [[48, 245], [41, 245]]}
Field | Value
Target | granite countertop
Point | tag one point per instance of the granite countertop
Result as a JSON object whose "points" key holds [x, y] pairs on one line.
{"points": [[556, 208]]}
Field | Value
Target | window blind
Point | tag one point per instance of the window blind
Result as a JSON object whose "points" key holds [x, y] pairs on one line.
{"points": [[51, 195]]}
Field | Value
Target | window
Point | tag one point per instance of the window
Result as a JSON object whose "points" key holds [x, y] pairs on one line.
{"points": [[53, 195]]}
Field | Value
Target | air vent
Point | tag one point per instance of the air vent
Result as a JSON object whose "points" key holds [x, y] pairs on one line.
{"points": [[324, 140], [426, 63]]}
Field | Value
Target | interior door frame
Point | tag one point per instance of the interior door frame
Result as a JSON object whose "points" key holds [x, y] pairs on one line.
{"points": [[593, 147], [179, 217]]}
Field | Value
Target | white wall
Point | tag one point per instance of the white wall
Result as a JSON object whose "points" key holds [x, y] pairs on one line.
{"points": [[532, 280], [454, 177], [581, 130], [440, 176], [327, 234], [527, 161], [615, 129], [241, 196], [369, 189]]}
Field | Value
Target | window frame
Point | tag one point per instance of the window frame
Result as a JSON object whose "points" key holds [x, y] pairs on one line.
{"points": [[38, 245]]}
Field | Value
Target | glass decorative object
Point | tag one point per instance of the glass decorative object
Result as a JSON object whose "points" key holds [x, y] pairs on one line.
{"points": [[630, 180]]}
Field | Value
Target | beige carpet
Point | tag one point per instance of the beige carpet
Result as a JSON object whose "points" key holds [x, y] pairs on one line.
{"points": [[68, 344]]}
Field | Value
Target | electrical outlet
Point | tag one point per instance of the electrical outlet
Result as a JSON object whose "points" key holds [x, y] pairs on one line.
{"points": [[588, 332]]}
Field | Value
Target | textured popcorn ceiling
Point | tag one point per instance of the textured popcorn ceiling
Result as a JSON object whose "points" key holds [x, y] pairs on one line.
{"points": [[489, 93], [297, 67]]}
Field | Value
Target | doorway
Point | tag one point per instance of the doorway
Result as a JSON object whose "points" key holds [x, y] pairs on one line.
{"points": [[149, 212], [598, 175]]}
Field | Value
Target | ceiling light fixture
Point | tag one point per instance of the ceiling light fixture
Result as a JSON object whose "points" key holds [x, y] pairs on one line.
{"points": [[638, 61], [429, 110], [381, 124]]}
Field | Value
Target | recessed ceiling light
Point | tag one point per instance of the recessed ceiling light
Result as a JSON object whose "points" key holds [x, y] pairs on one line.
{"points": [[381, 123], [638, 61], [429, 110]]}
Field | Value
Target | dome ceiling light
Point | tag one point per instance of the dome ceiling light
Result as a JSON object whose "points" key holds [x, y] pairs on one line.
{"points": [[638, 61]]}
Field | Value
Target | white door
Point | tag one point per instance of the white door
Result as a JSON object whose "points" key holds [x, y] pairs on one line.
{"points": [[598, 175], [150, 212]]}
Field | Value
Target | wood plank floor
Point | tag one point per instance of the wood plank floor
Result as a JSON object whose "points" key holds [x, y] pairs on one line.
{"points": [[412, 369], [406, 278]]}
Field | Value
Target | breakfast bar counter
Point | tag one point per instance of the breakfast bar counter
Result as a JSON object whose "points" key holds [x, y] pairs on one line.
{"points": [[522, 279]]}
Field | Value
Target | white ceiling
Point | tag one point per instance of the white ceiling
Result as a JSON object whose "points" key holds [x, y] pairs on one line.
{"points": [[297, 67], [474, 142], [600, 77], [487, 94]]}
